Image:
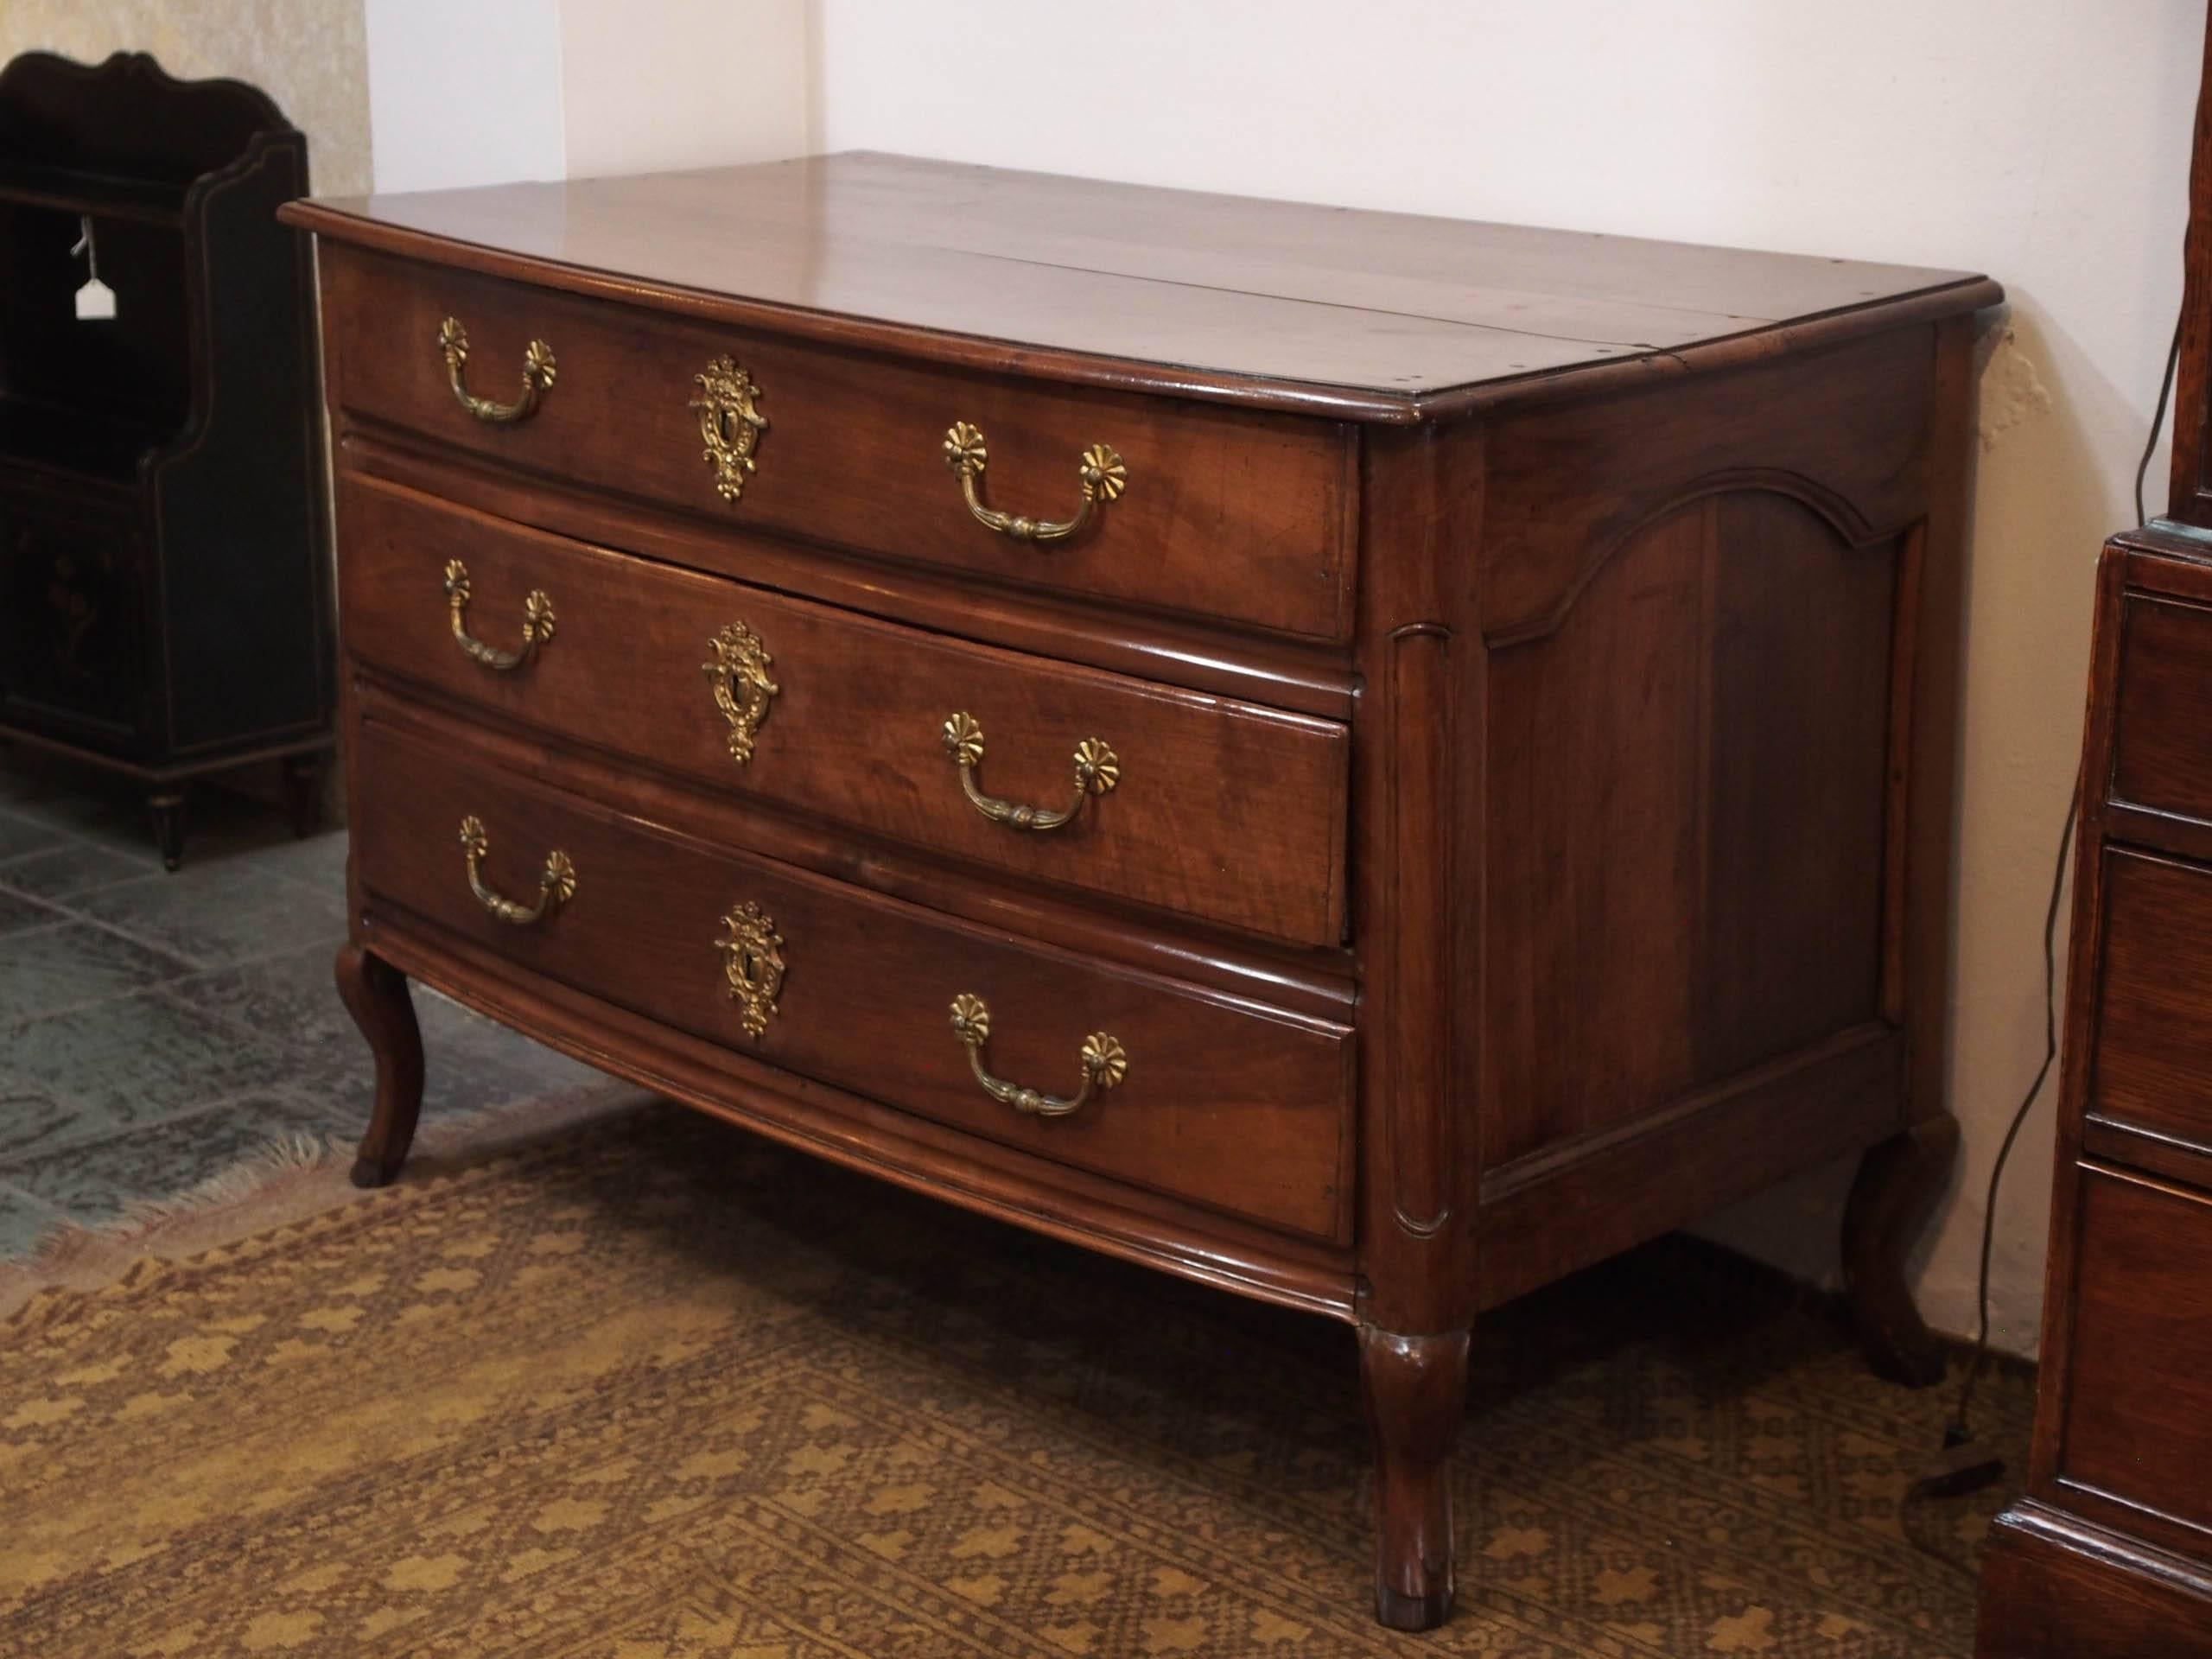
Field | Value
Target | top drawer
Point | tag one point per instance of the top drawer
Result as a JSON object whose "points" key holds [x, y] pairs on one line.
{"points": [[2161, 729], [1220, 514]]}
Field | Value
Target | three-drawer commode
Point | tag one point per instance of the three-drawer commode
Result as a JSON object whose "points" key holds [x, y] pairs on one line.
{"points": [[1366, 761]]}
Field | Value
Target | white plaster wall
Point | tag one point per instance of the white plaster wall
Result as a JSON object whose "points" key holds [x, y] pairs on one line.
{"points": [[497, 90], [462, 94], [683, 82], [2044, 141]]}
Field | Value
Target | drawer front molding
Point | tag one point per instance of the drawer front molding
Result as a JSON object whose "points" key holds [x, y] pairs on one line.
{"points": [[1223, 514], [1250, 1117], [1197, 804]]}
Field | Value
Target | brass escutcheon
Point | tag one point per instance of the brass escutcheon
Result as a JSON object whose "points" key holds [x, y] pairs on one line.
{"points": [[753, 961], [742, 690], [730, 423]]}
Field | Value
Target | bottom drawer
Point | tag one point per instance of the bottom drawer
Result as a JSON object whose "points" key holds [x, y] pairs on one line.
{"points": [[2138, 1423], [1242, 1108]]}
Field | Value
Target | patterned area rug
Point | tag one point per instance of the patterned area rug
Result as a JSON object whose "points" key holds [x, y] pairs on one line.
{"points": [[655, 1388]]}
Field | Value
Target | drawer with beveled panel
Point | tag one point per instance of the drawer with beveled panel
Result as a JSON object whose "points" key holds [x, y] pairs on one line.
{"points": [[1161, 1084], [1161, 504], [1197, 804]]}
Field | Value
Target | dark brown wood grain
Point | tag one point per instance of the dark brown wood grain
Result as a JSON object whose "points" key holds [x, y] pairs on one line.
{"points": [[1056, 1199], [1725, 671], [375, 994], [1415, 1390], [2162, 740], [2153, 1056], [1224, 809], [1226, 514], [1296, 676], [2137, 1423], [1243, 965], [1368, 316], [1231, 1103], [1532, 824], [1896, 1191], [2108, 1554], [2053, 1588]]}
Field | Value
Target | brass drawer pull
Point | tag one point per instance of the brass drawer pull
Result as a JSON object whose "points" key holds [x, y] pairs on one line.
{"points": [[738, 675], [1104, 1064], [1097, 769], [1098, 470], [536, 623], [730, 423], [537, 377], [555, 887], [752, 960]]}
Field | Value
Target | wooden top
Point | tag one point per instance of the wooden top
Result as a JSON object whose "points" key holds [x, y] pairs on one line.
{"points": [[1357, 314]]}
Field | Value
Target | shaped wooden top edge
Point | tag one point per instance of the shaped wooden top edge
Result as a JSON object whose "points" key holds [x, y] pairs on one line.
{"points": [[845, 251]]}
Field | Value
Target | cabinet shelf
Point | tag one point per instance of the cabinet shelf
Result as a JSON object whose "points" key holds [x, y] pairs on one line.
{"points": [[143, 201]]}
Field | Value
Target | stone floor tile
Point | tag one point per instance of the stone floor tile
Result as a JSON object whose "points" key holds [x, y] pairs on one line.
{"points": [[95, 1181], [17, 913], [74, 866], [218, 913], [45, 968], [22, 832], [469, 1062], [120, 1063], [318, 861], [29, 1117], [23, 1221]]}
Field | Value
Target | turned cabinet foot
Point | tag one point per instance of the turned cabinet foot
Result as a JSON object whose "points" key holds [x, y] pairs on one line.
{"points": [[304, 793], [1897, 1186], [166, 809], [1415, 1390], [375, 994]]}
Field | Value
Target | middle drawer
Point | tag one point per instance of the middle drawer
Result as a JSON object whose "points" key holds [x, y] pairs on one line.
{"points": [[1198, 804]]}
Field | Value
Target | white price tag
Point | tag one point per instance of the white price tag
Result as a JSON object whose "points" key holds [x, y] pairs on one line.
{"points": [[95, 302]]}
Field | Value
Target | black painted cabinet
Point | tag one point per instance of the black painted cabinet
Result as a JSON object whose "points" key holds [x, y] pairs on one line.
{"points": [[164, 587]]}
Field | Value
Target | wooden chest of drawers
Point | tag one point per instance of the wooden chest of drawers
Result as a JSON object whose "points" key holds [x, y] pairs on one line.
{"points": [[1366, 761], [2110, 1554]]}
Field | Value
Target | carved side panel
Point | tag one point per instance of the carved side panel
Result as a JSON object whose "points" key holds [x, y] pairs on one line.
{"points": [[1686, 801]]}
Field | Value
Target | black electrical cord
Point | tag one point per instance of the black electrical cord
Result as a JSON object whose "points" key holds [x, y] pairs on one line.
{"points": [[2157, 422], [1960, 1432]]}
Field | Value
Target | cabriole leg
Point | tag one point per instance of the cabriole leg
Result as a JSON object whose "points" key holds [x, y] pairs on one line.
{"points": [[375, 994], [1415, 1389], [1898, 1183]]}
